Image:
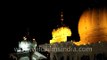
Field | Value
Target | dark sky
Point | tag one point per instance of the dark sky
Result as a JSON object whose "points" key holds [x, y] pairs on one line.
{"points": [[41, 18]]}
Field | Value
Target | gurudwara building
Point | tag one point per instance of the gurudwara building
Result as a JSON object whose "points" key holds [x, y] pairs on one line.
{"points": [[92, 28], [27, 51]]}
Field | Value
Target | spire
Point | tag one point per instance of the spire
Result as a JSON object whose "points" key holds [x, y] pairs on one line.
{"points": [[62, 18]]}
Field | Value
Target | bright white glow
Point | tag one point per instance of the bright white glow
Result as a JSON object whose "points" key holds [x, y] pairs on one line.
{"points": [[24, 38], [25, 46], [24, 58], [33, 39], [18, 50]]}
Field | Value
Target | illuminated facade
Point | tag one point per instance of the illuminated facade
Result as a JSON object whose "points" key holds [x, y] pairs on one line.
{"points": [[70, 51], [92, 29]]}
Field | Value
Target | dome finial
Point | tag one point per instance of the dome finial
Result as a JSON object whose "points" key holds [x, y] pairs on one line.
{"points": [[62, 18]]}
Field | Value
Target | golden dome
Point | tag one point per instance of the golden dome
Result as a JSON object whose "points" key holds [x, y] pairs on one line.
{"points": [[92, 26]]}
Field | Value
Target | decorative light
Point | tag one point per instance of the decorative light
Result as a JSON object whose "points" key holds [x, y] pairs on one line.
{"points": [[33, 39], [99, 41], [24, 45], [24, 38]]}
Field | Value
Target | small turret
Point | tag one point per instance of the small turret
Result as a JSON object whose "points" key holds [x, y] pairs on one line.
{"points": [[24, 38]]}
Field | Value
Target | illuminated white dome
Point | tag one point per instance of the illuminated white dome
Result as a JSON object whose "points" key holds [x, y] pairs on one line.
{"points": [[25, 45]]}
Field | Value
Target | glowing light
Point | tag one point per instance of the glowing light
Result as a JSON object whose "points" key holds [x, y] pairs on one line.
{"points": [[60, 34], [88, 43], [99, 42], [24, 38], [92, 26], [33, 39], [77, 43], [24, 45]]}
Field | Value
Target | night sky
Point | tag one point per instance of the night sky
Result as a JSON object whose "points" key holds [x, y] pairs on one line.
{"points": [[41, 18]]}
